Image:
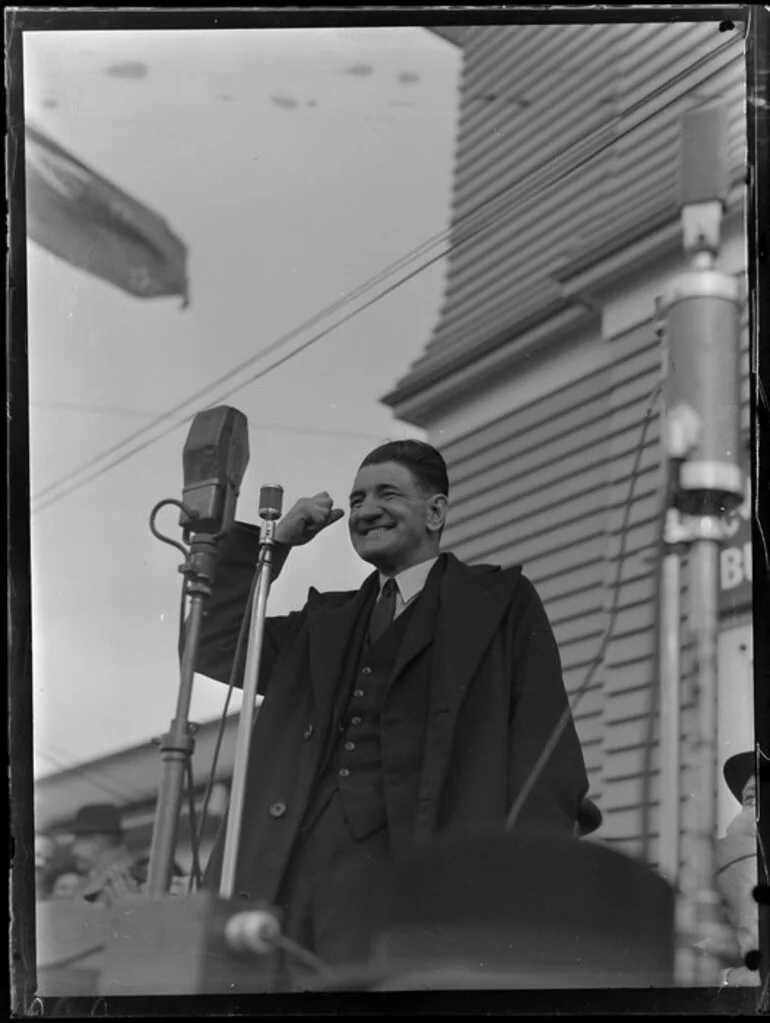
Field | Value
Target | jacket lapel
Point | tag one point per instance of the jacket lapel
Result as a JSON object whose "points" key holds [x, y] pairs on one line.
{"points": [[331, 628], [421, 630], [472, 606]]}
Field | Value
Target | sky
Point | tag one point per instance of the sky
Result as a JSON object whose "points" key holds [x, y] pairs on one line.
{"points": [[295, 165]]}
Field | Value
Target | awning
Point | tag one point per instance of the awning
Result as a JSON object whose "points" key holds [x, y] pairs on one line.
{"points": [[82, 218]]}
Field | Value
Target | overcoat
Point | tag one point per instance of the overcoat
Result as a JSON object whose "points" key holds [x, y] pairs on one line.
{"points": [[485, 650]]}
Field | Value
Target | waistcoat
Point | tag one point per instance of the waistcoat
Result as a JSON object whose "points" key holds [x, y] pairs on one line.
{"points": [[354, 768]]}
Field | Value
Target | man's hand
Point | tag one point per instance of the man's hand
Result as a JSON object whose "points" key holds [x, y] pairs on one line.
{"points": [[306, 519], [119, 886]]}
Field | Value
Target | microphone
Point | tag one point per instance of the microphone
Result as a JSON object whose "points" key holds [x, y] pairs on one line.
{"points": [[215, 457], [704, 181], [270, 502]]}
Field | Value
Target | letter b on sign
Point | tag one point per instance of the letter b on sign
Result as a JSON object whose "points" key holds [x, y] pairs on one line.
{"points": [[735, 566]]}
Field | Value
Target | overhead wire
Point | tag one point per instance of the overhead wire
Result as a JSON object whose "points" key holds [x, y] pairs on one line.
{"points": [[601, 138], [127, 413], [570, 709], [257, 376], [331, 308]]}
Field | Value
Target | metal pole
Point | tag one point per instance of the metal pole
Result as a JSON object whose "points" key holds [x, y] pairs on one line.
{"points": [[704, 569], [248, 709], [670, 848], [176, 749], [670, 718]]}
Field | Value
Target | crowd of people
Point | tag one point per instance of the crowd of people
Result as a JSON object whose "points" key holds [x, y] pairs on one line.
{"points": [[93, 862]]}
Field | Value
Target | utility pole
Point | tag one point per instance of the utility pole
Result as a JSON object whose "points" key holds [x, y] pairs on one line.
{"points": [[701, 434]]}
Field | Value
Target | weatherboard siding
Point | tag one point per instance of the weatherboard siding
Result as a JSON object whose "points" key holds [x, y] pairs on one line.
{"points": [[567, 146], [546, 486]]}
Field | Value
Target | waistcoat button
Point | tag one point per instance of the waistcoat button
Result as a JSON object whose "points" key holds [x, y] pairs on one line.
{"points": [[366, 671], [358, 693], [308, 733], [350, 745], [355, 721], [344, 772], [278, 809]]}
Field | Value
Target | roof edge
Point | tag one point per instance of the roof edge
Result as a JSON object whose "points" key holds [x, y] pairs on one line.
{"points": [[419, 403], [581, 279], [455, 34]]}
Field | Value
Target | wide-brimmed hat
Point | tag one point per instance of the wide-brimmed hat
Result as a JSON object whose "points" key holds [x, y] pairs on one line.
{"points": [[97, 819], [737, 771]]}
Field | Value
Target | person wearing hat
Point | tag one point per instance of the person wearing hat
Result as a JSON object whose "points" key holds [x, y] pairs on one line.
{"points": [[736, 857], [99, 851]]}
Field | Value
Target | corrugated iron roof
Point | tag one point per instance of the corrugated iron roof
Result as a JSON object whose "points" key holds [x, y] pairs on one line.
{"points": [[538, 104]]}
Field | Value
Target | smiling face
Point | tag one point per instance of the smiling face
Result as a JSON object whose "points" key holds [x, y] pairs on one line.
{"points": [[394, 522]]}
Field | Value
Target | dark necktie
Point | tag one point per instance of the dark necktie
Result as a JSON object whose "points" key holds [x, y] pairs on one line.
{"points": [[383, 611]]}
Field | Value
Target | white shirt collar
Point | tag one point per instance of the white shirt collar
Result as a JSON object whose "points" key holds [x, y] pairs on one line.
{"points": [[412, 580]]}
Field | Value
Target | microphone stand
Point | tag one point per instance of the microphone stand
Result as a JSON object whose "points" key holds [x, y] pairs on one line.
{"points": [[177, 745], [269, 511]]}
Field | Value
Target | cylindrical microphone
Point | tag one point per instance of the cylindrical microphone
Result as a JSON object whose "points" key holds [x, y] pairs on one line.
{"points": [[704, 181], [215, 457], [703, 168], [702, 323], [252, 931], [270, 502]]}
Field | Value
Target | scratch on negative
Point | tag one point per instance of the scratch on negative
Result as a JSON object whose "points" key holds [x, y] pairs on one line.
{"points": [[762, 536]]}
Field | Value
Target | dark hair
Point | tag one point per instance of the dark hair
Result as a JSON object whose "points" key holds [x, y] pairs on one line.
{"points": [[423, 461]]}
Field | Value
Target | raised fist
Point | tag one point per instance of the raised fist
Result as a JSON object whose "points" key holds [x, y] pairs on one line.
{"points": [[306, 519]]}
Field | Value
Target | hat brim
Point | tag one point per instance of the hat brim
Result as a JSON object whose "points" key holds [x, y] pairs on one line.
{"points": [[737, 771]]}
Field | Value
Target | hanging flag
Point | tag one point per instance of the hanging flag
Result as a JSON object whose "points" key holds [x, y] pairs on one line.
{"points": [[85, 220]]}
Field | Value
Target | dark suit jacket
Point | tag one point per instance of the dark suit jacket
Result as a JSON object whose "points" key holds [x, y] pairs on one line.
{"points": [[484, 648]]}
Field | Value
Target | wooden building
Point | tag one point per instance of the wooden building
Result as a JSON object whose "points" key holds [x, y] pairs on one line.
{"points": [[539, 375]]}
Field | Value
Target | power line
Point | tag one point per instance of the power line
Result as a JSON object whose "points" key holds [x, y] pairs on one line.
{"points": [[174, 426], [601, 142], [502, 193], [283, 339], [110, 410]]}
